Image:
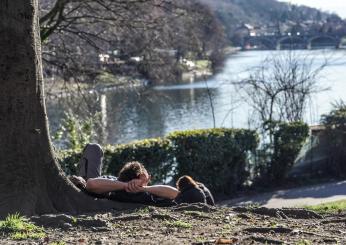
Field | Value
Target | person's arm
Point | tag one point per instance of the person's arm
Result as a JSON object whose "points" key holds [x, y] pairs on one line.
{"points": [[164, 191], [102, 185]]}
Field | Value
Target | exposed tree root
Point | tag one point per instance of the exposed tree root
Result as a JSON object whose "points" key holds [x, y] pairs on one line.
{"points": [[264, 240], [163, 217], [52, 220], [268, 230], [330, 221], [318, 235], [284, 213], [194, 207], [131, 217], [67, 221], [299, 213]]}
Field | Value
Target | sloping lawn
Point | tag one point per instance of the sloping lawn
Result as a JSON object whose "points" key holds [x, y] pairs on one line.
{"points": [[331, 207]]}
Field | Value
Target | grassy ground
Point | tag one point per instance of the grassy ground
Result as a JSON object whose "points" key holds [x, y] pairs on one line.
{"points": [[332, 207], [193, 224], [203, 64], [18, 227]]}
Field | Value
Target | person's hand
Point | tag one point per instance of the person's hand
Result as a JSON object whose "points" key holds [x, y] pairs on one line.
{"points": [[134, 186], [145, 179], [78, 181]]}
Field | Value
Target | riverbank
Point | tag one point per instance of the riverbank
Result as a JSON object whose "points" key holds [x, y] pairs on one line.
{"points": [[58, 88], [199, 70], [204, 72]]}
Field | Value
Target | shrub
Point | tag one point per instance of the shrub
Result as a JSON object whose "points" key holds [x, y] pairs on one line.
{"points": [[335, 124], [75, 132], [153, 153], [288, 140], [216, 157], [68, 160], [220, 158]]}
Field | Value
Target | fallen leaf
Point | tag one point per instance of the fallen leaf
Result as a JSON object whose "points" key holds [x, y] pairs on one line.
{"points": [[226, 241]]}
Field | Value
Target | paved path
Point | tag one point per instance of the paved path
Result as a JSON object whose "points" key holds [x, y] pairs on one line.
{"points": [[297, 197]]}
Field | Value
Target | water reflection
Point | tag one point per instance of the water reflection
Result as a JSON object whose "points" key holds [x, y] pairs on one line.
{"points": [[138, 114]]}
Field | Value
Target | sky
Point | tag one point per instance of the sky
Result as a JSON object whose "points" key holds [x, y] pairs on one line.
{"points": [[335, 6]]}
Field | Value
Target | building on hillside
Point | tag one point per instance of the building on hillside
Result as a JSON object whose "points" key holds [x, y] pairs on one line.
{"points": [[271, 30], [242, 32], [245, 30]]}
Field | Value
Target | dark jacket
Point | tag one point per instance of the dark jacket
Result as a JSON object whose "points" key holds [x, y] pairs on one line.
{"points": [[191, 195], [209, 197], [141, 197]]}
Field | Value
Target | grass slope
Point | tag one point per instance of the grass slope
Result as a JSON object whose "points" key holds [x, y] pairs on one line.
{"points": [[331, 207]]}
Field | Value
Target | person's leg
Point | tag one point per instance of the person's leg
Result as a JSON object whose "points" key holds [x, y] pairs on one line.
{"points": [[90, 164]]}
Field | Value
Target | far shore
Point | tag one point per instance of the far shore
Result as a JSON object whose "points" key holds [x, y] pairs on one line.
{"points": [[60, 89]]}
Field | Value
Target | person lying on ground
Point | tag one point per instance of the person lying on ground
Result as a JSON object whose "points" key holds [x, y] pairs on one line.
{"points": [[132, 178], [130, 186], [189, 191]]}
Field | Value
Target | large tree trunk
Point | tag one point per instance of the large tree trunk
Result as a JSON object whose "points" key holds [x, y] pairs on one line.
{"points": [[31, 182]]}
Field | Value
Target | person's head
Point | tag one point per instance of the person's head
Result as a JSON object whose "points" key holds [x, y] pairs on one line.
{"points": [[134, 170], [185, 182]]}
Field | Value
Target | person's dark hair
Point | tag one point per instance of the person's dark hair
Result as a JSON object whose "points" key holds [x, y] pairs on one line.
{"points": [[189, 192], [130, 171], [185, 182]]}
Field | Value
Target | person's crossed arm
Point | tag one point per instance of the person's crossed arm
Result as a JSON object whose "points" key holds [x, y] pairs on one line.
{"points": [[103, 185], [164, 191]]}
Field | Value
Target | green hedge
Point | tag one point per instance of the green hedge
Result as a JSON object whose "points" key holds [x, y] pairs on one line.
{"points": [[216, 157], [153, 153], [288, 140], [335, 130], [69, 160]]}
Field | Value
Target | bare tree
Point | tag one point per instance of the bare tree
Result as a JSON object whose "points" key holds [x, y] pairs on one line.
{"points": [[74, 32], [281, 87]]}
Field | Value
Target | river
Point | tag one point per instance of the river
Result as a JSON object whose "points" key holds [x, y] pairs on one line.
{"points": [[134, 114]]}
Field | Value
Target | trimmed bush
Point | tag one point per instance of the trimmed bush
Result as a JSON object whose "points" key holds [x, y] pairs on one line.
{"points": [[155, 154], [288, 140], [69, 160], [216, 157], [335, 130]]}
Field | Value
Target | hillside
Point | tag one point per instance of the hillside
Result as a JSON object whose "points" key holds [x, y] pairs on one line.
{"points": [[232, 13]]}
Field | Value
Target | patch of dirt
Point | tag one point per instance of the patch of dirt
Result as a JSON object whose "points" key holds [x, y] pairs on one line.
{"points": [[192, 224]]}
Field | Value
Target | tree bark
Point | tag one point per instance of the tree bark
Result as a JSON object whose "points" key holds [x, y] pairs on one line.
{"points": [[31, 181]]}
